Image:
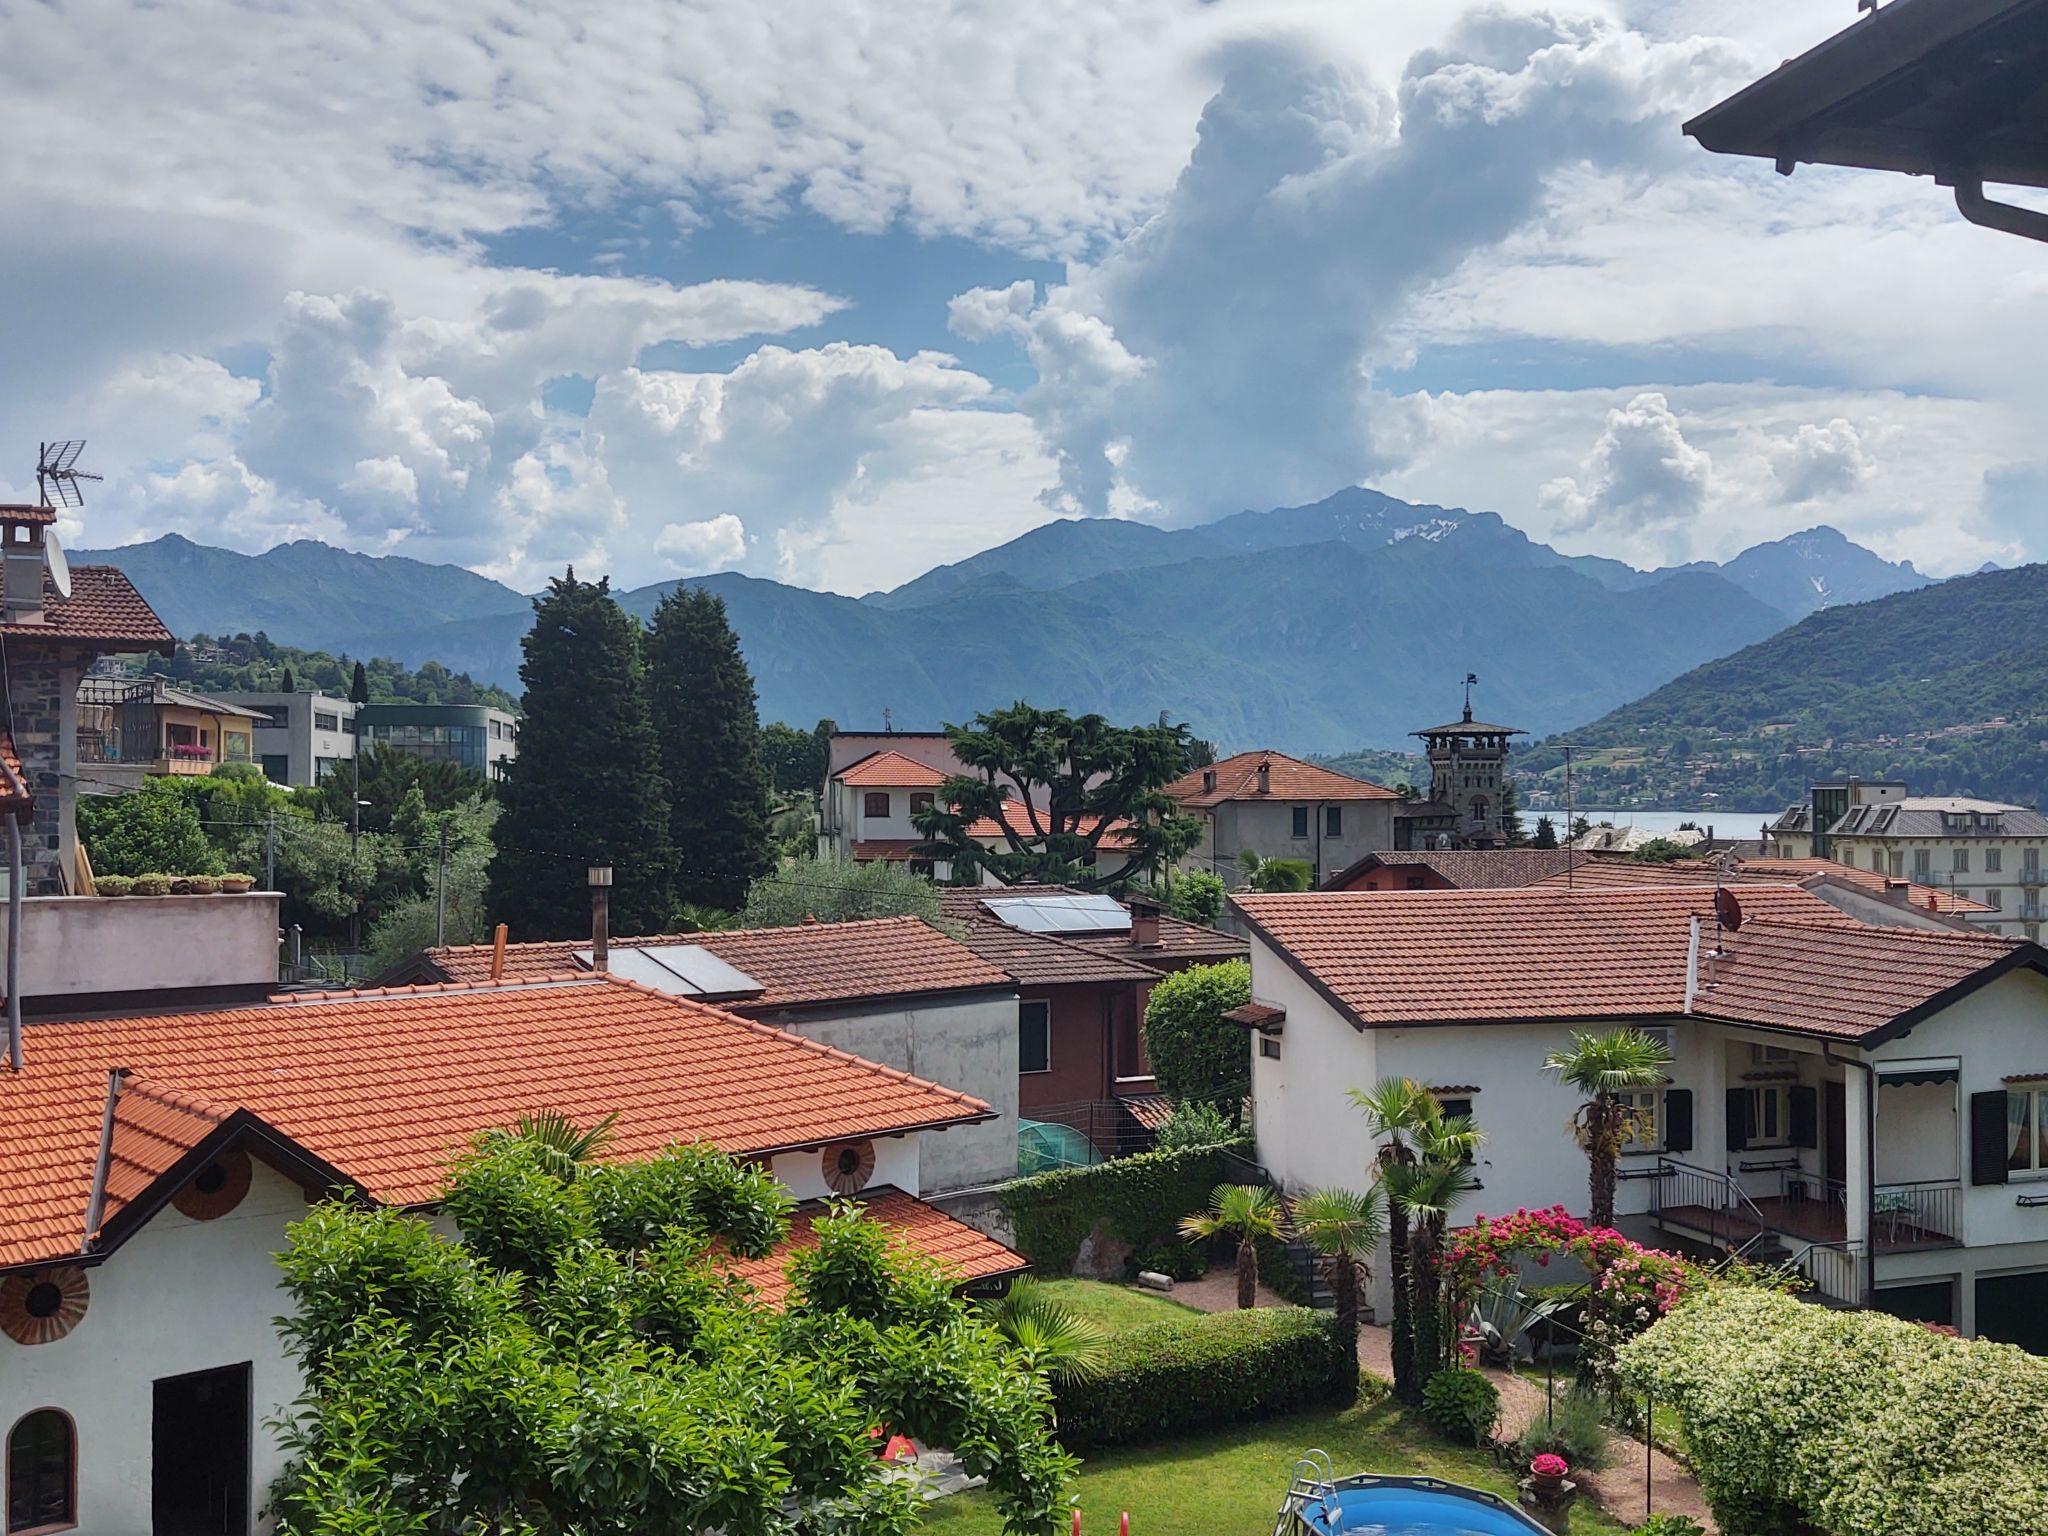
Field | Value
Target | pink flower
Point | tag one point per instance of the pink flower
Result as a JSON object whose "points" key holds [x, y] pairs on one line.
{"points": [[1548, 1465]]}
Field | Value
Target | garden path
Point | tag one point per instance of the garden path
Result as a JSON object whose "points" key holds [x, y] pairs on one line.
{"points": [[1619, 1488]]}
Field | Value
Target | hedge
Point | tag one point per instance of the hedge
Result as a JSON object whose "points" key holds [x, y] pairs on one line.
{"points": [[1142, 1198], [1217, 1368], [1853, 1422]]}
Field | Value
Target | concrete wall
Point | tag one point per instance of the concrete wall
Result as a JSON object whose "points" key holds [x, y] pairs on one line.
{"points": [[1266, 827], [180, 1296], [968, 1043], [80, 946]]}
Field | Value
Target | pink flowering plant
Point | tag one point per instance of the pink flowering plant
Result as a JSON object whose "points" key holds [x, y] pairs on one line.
{"points": [[1550, 1465]]}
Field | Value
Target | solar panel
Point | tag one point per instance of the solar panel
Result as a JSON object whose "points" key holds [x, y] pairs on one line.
{"points": [[682, 970], [1062, 914]]}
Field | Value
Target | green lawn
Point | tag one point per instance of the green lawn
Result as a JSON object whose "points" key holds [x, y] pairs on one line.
{"points": [[1115, 1308], [1230, 1482]]}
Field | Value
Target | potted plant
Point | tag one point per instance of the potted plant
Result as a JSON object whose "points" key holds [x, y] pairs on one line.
{"points": [[202, 885], [113, 885], [236, 884], [1548, 1472], [151, 885]]}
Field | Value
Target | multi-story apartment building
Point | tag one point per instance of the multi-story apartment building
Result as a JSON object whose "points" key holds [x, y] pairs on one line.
{"points": [[1979, 849], [478, 737], [300, 737]]}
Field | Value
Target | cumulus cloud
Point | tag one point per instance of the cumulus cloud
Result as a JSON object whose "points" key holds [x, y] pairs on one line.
{"points": [[1818, 461], [697, 548], [1641, 478]]}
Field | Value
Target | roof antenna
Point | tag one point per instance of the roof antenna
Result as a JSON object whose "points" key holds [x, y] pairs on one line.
{"points": [[58, 474], [888, 721]]}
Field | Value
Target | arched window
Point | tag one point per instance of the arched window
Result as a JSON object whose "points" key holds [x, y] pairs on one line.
{"points": [[42, 1473]]}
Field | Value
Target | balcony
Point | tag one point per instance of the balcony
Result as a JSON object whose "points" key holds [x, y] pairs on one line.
{"points": [[127, 731]]}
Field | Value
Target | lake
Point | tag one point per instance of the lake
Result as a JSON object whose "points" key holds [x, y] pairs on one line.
{"points": [[1725, 822]]}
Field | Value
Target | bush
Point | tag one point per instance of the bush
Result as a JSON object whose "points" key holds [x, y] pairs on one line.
{"points": [[833, 892], [154, 828], [113, 885], [1574, 1431], [1196, 897], [1670, 1525], [1195, 1052], [1180, 1261], [1219, 1368], [1283, 875], [1462, 1404], [151, 885], [1854, 1422], [1142, 1199], [1194, 1124]]}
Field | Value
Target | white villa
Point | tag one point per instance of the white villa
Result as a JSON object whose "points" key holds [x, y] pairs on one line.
{"points": [[1864, 1100]]}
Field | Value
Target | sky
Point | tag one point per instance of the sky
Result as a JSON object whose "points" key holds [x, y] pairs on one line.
{"points": [[833, 293]]}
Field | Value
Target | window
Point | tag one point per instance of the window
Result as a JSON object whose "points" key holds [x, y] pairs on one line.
{"points": [[1034, 1037], [277, 767], [1994, 898], [1961, 861], [1301, 821], [1269, 1048], [1897, 863], [1333, 821], [275, 716], [1645, 1107], [42, 1473], [2030, 862], [921, 800], [1770, 1122], [1994, 860], [875, 803], [326, 721], [1763, 1053], [1923, 864], [2026, 1131]]}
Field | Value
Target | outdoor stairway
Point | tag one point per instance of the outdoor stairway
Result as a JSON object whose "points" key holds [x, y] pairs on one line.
{"points": [[1304, 1265]]}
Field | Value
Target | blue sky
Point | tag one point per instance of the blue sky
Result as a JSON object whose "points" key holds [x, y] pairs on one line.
{"points": [[834, 295]]}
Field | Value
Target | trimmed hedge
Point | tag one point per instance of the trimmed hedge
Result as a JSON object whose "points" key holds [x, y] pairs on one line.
{"points": [[1853, 1422], [1142, 1198], [1218, 1368]]}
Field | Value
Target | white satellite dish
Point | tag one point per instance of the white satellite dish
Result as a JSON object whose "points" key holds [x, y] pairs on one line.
{"points": [[60, 568]]}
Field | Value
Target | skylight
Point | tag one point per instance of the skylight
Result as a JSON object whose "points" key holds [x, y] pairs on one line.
{"points": [[681, 970], [1062, 914]]}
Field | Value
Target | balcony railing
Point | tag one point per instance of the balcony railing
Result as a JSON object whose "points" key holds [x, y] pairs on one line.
{"points": [[1926, 1213], [1803, 1209]]}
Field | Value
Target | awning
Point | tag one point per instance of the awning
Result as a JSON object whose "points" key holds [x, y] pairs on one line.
{"points": [[1906, 1077]]}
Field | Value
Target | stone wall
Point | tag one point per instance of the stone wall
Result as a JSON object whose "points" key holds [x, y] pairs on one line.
{"points": [[42, 695]]}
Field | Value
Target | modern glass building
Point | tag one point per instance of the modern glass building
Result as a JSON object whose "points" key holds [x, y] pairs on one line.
{"points": [[477, 736]]}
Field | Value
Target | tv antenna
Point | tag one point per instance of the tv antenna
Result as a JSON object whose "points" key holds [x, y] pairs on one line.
{"points": [[58, 474]]}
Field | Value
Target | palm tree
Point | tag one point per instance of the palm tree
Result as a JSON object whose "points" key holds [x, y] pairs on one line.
{"points": [[1426, 1192], [1397, 1108], [1603, 1065], [563, 1144], [1246, 1212], [1051, 1337], [1343, 1227]]}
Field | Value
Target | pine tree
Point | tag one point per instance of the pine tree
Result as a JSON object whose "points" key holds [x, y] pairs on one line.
{"points": [[702, 698], [286, 686], [586, 787]]}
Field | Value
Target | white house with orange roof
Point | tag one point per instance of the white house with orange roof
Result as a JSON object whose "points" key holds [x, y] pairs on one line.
{"points": [[1280, 807], [1865, 1101], [150, 1165], [865, 813]]}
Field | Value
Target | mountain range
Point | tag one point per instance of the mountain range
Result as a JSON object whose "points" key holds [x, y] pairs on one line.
{"points": [[1310, 628]]}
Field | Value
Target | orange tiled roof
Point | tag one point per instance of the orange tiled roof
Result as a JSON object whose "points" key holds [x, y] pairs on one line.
{"points": [[1048, 960], [1017, 819], [1466, 869], [1179, 942], [960, 1248], [889, 769], [27, 512], [1592, 871], [798, 967], [1237, 778], [384, 1086], [16, 799], [1929, 897], [104, 609]]}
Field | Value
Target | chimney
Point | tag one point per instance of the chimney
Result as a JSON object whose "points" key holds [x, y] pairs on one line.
{"points": [[1265, 776], [1144, 922], [21, 585], [1208, 781], [600, 916]]}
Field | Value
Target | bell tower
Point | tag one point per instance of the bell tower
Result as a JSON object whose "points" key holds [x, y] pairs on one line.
{"points": [[1468, 773]]}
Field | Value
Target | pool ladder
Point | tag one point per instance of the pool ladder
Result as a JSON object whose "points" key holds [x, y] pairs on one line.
{"points": [[1314, 1477]]}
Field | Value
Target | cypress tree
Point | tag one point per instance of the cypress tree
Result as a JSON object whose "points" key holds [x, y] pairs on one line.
{"points": [[586, 787], [710, 734]]}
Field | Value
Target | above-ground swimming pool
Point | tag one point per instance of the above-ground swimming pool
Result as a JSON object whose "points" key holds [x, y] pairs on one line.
{"points": [[1402, 1506]]}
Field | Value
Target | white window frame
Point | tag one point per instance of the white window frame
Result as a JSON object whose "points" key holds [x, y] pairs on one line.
{"points": [[1779, 1095], [1027, 1009], [1640, 1100], [2036, 1165], [1959, 861], [1994, 861]]}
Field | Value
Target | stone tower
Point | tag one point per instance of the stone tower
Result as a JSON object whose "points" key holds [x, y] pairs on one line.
{"points": [[1468, 770]]}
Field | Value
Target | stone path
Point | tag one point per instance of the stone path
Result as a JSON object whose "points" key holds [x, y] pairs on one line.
{"points": [[1619, 1488]]}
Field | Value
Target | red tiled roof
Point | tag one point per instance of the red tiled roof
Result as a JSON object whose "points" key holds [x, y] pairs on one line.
{"points": [[1465, 869], [1927, 897], [384, 1086], [1592, 871], [798, 967], [27, 512], [1263, 1017], [104, 609], [1048, 960], [1237, 778], [891, 850], [969, 1254], [1179, 942], [1017, 819], [153, 1128], [890, 770]]}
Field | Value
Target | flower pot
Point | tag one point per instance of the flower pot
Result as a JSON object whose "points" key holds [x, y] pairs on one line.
{"points": [[1548, 1482], [235, 885]]}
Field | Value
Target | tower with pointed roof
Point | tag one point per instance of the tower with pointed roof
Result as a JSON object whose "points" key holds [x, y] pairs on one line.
{"points": [[1468, 775]]}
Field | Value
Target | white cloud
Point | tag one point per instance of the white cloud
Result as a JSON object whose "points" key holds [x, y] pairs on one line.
{"points": [[1639, 485], [697, 548], [1820, 461]]}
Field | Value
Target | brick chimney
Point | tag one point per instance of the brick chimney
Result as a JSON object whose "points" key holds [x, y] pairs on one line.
{"points": [[1265, 776], [1208, 781], [1144, 922], [600, 916], [21, 549]]}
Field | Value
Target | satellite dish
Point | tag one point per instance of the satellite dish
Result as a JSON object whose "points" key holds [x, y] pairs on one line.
{"points": [[60, 568], [1727, 910]]}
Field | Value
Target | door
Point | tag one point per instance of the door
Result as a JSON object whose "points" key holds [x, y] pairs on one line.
{"points": [[199, 1454], [1835, 1138], [2013, 1309]]}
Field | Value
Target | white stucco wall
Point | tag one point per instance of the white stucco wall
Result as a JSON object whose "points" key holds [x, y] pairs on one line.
{"points": [[966, 1043], [179, 1296], [896, 1160], [73, 946]]}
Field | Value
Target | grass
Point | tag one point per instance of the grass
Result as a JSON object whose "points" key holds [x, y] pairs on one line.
{"points": [[1230, 1482], [1114, 1308]]}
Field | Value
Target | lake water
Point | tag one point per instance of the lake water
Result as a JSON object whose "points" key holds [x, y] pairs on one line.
{"points": [[1725, 822]]}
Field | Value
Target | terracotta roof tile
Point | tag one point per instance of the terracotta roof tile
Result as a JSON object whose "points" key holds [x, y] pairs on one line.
{"points": [[16, 798], [1464, 869], [890, 770], [1389, 958], [969, 1254], [1017, 819], [807, 965], [1289, 778], [1044, 960], [1592, 871], [27, 512], [891, 850], [1180, 943], [103, 609], [386, 1085]]}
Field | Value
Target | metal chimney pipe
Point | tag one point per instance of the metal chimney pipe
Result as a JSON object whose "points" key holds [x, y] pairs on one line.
{"points": [[600, 916]]}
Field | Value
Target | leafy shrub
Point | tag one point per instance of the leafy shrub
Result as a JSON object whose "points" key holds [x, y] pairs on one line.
{"points": [[1142, 1198], [113, 885], [1194, 1124], [151, 885], [1574, 1431], [1854, 1422], [833, 892], [154, 828], [1196, 897], [1195, 1052], [1283, 875], [1670, 1525], [1218, 1368], [1181, 1261], [1462, 1404]]}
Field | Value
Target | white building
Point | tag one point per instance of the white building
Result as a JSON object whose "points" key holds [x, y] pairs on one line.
{"points": [[1979, 849], [865, 814], [149, 1167], [1864, 1099], [1280, 807], [301, 737]]}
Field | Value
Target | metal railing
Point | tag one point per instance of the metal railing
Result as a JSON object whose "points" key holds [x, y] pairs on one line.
{"points": [[1922, 1213], [1732, 1219], [1836, 1270]]}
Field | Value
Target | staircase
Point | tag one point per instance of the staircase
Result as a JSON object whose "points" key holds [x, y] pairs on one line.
{"points": [[1308, 1271]]}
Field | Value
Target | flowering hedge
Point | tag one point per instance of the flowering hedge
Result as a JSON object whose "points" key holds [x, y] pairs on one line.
{"points": [[1853, 1422]]}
